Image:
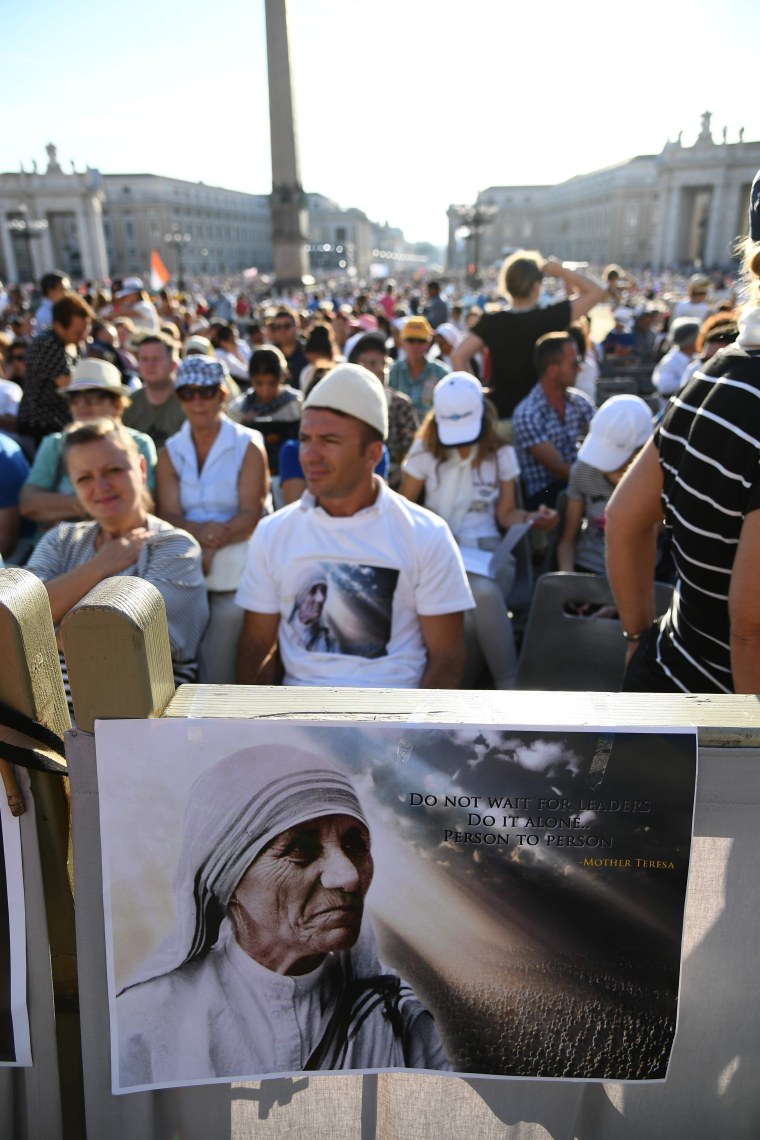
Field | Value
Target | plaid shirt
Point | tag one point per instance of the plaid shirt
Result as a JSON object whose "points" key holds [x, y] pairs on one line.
{"points": [[535, 421]]}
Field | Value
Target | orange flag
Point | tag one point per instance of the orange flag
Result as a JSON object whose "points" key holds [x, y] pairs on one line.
{"points": [[159, 274]]}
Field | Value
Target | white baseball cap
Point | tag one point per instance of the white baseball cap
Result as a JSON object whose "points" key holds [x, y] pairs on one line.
{"points": [[459, 409], [622, 425]]}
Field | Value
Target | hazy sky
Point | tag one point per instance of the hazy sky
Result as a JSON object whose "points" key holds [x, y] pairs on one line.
{"points": [[403, 107]]}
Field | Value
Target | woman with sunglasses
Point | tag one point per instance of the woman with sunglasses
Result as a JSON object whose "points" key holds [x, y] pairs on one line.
{"points": [[96, 390], [213, 481]]}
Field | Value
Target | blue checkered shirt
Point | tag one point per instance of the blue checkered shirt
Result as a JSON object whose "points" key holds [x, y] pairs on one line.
{"points": [[535, 421]]}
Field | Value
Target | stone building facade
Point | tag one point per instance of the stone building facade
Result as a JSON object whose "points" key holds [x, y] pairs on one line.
{"points": [[683, 207], [95, 226], [211, 230], [52, 219]]}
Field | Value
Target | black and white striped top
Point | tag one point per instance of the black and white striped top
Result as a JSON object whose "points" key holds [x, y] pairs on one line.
{"points": [[709, 445]]}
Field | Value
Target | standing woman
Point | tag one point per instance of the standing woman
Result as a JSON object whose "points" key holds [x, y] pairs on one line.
{"points": [[213, 481], [468, 477]]}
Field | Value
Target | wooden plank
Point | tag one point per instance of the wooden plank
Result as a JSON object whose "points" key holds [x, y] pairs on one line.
{"points": [[45, 1100], [117, 652], [723, 721]]}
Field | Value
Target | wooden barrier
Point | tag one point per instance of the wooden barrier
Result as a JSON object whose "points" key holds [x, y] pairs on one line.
{"points": [[711, 1090], [44, 1101]]}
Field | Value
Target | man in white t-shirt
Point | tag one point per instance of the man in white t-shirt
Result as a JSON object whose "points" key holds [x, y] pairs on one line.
{"points": [[378, 579]]}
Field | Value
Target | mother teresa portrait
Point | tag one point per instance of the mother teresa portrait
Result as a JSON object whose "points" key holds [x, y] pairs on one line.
{"points": [[272, 965]]}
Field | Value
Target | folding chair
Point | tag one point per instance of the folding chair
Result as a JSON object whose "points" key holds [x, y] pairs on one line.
{"points": [[566, 651]]}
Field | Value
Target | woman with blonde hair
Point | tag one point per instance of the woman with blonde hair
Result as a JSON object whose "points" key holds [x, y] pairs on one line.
{"points": [[121, 536], [511, 333]]}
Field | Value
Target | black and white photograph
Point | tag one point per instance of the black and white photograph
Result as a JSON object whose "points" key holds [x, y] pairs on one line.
{"points": [[293, 897], [343, 608]]}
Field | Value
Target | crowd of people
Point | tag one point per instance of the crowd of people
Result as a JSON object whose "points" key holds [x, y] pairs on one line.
{"points": [[561, 1015], [263, 462]]}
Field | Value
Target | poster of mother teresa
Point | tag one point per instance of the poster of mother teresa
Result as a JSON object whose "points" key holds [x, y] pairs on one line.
{"points": [[291, 897], [271, 965]]}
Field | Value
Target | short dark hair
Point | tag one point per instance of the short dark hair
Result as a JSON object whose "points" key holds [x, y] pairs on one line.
{"points": [[270, 361], [69, 306], [549, 349], [222, 333], [321, 340], [50, 281], [158, 338]]}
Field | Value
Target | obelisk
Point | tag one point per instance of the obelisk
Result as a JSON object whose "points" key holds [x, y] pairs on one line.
{"points": [[289, 220]]}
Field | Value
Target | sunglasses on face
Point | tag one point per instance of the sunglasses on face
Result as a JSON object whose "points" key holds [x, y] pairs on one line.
{"points": [[282, 326], [206, 392], [89, 398], [415, 340]]}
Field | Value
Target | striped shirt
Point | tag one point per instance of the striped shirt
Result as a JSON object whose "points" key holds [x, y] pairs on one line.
{"points": [[709, 445]]}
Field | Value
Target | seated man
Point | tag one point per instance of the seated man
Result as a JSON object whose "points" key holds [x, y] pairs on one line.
{"points": [[670, 374], [550, 422], [354, 585], [619, 341]]}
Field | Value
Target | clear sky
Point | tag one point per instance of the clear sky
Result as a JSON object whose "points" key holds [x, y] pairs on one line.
{"points": [[403, 107]]}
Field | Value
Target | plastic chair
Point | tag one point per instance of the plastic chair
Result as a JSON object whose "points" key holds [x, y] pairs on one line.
{"points": [[568, 652]]}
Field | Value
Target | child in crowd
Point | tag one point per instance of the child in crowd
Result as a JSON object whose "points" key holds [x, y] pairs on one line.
{"points": [[270, 405], [468, 476], [618, 431]]}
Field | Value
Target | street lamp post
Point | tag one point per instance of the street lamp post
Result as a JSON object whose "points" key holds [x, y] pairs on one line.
{"points": [[474, 220], [25, 230], [179, 241]]}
